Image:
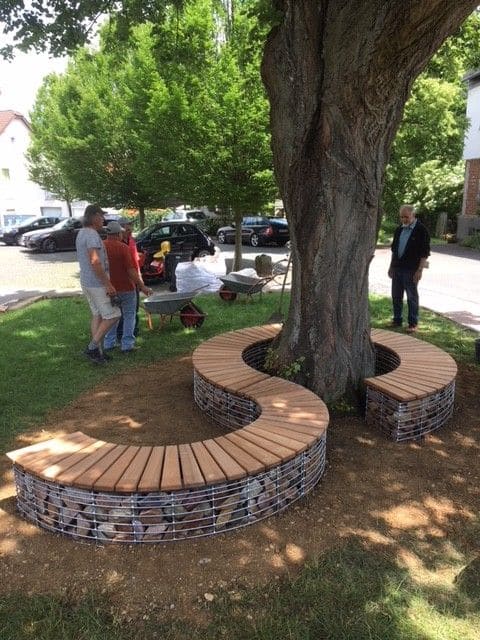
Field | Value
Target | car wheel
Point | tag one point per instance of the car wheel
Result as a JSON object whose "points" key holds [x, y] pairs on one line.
{"points": [[17, 239], [221, 237], [50, 246], [202, 253], [254, 240]]}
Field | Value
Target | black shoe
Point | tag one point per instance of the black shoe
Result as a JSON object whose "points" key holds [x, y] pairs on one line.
{"points": [[95, 356]]}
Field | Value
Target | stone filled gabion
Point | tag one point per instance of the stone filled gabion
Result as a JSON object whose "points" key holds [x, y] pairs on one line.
{"points": [[165, 516], [406, 420]]}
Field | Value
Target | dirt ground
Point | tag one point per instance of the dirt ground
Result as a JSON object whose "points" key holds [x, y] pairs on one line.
{"points": [[418, 501]]}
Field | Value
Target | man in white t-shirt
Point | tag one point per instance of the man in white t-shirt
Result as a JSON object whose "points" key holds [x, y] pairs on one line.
{"points": [[95, 281]]}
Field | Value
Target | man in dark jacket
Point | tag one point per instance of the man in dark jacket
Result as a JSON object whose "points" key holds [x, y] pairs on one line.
{"points": [[410, 250]]}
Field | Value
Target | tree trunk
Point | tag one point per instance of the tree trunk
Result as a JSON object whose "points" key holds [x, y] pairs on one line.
{"points": [[69, 207], [141, 216], [338, 75], [237, 255]]}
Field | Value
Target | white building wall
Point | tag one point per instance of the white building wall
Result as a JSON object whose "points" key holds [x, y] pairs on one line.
{"points": [[18, 194], [471, 148]]}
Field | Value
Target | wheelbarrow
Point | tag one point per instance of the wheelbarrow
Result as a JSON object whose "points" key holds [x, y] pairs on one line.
{"points": [[168, 305], [235, 283]]}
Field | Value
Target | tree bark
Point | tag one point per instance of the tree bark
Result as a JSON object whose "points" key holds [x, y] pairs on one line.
{"points": [[338, 75], [237, 254]]}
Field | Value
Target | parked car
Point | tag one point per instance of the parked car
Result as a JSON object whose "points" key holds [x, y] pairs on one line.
{"points": [[185, 238], [257, 231], [195, 216], [60, 237], [13, 235]]}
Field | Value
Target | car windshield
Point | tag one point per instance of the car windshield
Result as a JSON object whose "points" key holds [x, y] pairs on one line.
{"points": [[145, 232], [67, 222]]}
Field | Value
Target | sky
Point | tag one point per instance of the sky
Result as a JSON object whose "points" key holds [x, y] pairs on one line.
{"points": [[21, 79]]}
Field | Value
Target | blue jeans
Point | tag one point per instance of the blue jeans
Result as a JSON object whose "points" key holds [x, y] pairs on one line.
{"points": [[128, 306], [402, 281]]}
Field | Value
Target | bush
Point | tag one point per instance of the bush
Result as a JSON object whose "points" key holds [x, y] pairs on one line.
{"points": [[472, 241]]}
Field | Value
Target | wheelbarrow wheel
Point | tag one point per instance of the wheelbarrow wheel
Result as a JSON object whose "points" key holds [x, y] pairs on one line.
{"points": [[227, 294], [191, 317]]}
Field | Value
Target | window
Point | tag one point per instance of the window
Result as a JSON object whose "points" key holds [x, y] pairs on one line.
{"points": [[4, 174]]}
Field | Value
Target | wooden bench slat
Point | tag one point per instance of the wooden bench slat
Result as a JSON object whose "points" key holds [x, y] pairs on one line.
{"points": [[417, 387], [48, 445], [150, 480], [39, 462], [398, 393], [230, 467], [282, 452], [59, 446], [108, 480], [128, 481], [210, 469], [267, 458], [87, 479], [287, 432], [171, 474], [251, 464], [287, 441], [69, 476], [191, 474], [54, 470]]}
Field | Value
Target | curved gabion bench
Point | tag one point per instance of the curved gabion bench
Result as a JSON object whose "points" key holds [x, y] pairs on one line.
{"points": [[413, 391], [275, 454]]}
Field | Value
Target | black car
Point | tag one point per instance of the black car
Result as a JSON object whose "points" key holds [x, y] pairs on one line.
{"points": [[14, 234], [185, 238], [257, 231], [60, 237]]}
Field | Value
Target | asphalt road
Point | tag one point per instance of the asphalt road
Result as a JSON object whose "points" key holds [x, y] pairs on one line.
{"points": [[450, 286]]}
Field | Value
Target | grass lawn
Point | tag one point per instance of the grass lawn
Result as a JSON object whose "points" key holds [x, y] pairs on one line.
{"points": [[347, 593]]}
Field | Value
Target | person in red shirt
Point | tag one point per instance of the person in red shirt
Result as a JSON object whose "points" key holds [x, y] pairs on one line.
{"points": [[126, 278]]}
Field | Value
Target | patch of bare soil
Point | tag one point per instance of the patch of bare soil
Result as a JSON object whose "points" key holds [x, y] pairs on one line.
{"points": [[417, 501]]}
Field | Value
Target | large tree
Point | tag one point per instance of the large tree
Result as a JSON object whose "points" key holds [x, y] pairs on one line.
{"points": [[338, 75]]}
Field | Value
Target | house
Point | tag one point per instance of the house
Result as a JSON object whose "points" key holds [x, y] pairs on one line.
{"points": [[469, 220], [19, 196]]}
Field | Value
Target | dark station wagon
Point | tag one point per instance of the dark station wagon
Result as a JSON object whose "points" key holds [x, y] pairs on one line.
{"points": [[257, 231]]}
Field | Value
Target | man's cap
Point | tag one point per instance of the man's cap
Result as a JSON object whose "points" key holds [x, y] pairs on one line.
{"points": [[94, 208], [113, 227], [125, 221]]}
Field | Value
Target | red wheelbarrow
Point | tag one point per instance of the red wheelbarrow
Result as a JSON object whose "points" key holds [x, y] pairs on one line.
{"points": [[168, 305]]}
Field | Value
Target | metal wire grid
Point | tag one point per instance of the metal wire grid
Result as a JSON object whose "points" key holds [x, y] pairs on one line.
{"points": [[225, 408], [165, 516], [385, 360], [254, 355], [410, 420]]}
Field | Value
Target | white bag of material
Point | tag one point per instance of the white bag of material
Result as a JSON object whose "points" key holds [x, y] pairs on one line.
{"points": [[248, 272], [192, 276], [214, 264]]}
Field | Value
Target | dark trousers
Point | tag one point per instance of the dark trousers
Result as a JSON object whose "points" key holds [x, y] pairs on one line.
{"points": [[402, 282]]}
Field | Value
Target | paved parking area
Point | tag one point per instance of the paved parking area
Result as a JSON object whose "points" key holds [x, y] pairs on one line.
{"points": [[450, 286]]}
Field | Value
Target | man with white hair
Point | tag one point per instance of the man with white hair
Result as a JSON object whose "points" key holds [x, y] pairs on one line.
{"points": [[410, 250]]}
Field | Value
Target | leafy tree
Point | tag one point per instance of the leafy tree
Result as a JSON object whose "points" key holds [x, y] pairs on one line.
{"points": [[337, 76], [432, 129]]}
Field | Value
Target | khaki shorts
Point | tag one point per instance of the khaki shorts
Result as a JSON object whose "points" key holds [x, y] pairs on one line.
{"points": [[100, 303]]}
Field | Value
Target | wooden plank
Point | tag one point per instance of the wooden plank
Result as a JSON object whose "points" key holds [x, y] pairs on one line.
{"points": [[263, 425], [230, 467], [171, 474], [108, 480], [275, 444], [212, 473], [38, 462], [264, 456], [38, 447], [191, 474], [69, 476], [61, 445], [53, 470], [390, 390], [128, 482], [251, 465], [87, 479], [150, 480], [406, 383]]}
